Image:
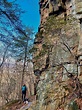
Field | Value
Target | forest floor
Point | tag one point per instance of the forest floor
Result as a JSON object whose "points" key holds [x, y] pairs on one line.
{"points": [[18, 105]]}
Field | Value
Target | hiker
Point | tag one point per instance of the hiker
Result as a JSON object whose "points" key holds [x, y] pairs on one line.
{"points": [[24, 89]]}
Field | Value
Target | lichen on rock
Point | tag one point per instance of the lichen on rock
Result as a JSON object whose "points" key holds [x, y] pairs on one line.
{"points": [[58, 57]]}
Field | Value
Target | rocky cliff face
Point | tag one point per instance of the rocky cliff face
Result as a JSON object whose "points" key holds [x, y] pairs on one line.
{"points": [[58, 55]]}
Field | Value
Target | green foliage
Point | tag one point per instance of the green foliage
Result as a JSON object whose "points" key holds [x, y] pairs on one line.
{"points": [[42, 52], [39, 36], [54, 23], [73, 106], [45, 46], [34, 49]]}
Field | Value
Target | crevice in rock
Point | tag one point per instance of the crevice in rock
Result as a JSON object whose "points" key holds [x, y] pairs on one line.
{"points": [[80, 23], [57, 12], [38, 72]]}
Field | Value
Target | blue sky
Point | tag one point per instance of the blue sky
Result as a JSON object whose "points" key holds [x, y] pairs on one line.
{"points": [[31, 17]]}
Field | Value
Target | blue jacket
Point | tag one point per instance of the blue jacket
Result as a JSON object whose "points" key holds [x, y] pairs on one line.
{"points": [[24, 88]]}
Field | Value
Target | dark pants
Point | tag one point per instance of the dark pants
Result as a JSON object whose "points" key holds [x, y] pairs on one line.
{"points": [[23, 95]]}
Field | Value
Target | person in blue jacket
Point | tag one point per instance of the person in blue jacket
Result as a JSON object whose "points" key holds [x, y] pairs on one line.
{"points": [[24, 89]]}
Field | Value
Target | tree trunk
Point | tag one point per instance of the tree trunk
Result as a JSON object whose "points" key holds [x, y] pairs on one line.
{"points": [[24, 65]]}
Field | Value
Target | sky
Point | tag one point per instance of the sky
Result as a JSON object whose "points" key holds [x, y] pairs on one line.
{"points": [[31, 16]]}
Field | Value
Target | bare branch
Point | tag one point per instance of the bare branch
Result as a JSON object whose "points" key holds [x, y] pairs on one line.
{"points": [[3, 59], [16, 27], [63, 63]]}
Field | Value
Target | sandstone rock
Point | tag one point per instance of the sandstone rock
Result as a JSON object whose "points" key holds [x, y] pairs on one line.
{"points": [[59, 57]]}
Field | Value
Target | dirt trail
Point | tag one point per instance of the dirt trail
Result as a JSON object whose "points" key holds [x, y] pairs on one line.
{"points": [[25, 107], [20, 105]]}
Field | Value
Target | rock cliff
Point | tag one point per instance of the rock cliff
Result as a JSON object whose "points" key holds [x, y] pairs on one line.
{"points": [[58, 55]]}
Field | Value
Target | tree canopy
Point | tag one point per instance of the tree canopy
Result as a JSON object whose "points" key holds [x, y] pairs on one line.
{"points": [[14, 36]]}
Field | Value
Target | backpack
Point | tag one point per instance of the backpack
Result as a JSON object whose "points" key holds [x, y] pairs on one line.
{"points": [[23, 88]]}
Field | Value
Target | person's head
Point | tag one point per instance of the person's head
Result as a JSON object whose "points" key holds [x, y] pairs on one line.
{"points": [[24, 85]]}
